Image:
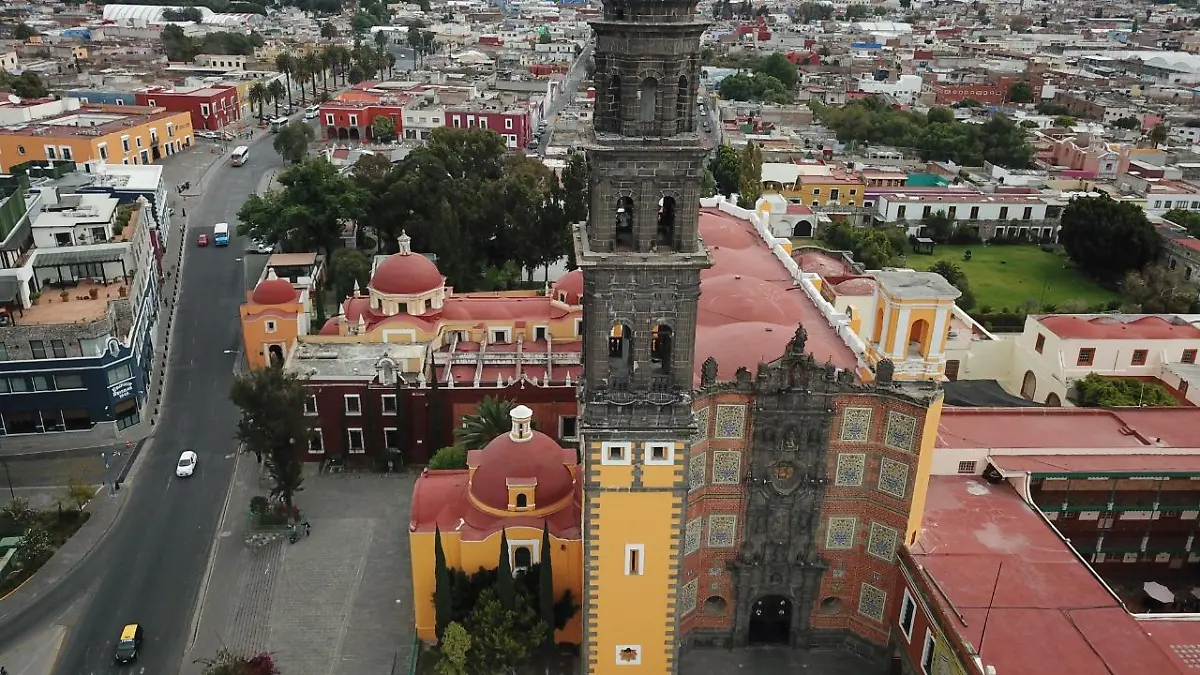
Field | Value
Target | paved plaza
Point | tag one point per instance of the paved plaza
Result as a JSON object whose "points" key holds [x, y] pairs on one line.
{"points": [[769, 661], [337, 602]]}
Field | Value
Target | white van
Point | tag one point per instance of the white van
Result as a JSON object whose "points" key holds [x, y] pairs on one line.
{"points": [[311, 112]]}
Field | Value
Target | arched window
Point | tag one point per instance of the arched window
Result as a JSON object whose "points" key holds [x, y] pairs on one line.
{"points": [[522, 501], [648, 100], [660, 348], [665, 235], [620, 348], [623, 236], [614, 104], [522, 558], [276, 354], [683, 110]]}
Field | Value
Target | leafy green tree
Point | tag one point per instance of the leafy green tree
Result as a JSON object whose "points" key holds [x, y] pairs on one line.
{"points": [[708, 183], [1158, 135], [17, 512], [441, 588], [535, 230], [1127, 123], [1188, 220], [575, 188], [23, 31], [1020, 92], [383, 129], [455, 648], [292, 142], [506, 589], [348, 267], [749, 175], [1158, 290], [26, 85], [502, 637], [1097, 391], [938, 227], [546, 583], [35, 548], [1108, 238], [726, 170], [779, 67], [875, 248], [272, 425], [953, 273], [1064, 121], [491, 419], [449, 457], [307, 213], [328, 30]]}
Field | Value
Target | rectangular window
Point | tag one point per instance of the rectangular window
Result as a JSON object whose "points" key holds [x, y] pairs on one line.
{"points": [[3, 352], [354, 441], [508, 123], [204, 110], [500, 335], [119, 374], [1139, 357], [68, 381], [568, 427], [59, 348], [138, 140], [329, 120], [1003, 213], [966, 467], [457, 122], [900, 211], [1039, 344], [354, 120], [1027, 214], [387, 403], [926, 211], [615, 453], [908, 615], [38, 348], [1189, 356], [391, 438], [103, 147], [66, 152], [310, 405], [18, 385], [51, 153], [834, 194], [270, 326], [635, 557], [660, 453], [316, 442], [974, 213], [1086, 356], [170, 130], [40, 382], [125, 143], [353, 404], [927, 653]]}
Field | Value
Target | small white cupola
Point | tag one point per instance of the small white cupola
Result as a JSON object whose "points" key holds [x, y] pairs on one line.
{"points": [[522, 429], [404, 243], [271, 274]]}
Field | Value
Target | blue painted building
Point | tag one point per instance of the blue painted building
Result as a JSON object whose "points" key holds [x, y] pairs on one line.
{"points": [[103, 97]]}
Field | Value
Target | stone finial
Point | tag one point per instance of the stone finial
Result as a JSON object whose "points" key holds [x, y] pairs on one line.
{"points": [[798, 340], [404, 243], [708, 372], [522, 419], [362, 324], [271, 274], [357, 289]]}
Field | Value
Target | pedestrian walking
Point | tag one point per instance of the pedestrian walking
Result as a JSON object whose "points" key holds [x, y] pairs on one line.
{"points": [[307, 532]]}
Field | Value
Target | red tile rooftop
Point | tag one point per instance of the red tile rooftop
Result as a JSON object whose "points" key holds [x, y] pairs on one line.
{"points": [[985, 428], [1023, 599], [1120, 327], [1058, 464], [749, 305]]}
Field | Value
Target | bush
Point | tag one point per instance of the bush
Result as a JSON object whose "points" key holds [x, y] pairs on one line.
{"points": [[452, 457], [259, 505], [1097, 391]]}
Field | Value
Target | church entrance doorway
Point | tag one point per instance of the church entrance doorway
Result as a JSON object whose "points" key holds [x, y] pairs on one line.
{"points": [[771, 621]]}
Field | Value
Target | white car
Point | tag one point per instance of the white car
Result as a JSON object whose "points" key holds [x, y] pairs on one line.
{"points": [[186, 465], [260, 247]]}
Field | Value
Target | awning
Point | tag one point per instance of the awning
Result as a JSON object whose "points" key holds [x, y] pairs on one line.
{"points": [[10, 287], [78, 256], [983, 393]]}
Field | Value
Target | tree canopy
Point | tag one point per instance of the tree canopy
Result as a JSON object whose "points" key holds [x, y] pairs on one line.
{"points": [[272, 425], [1108, 238], [292, 141], [491, 419], [25, 85], [936, 136], [1097, 391], [772, 79], [180, 47], [308, 212]]}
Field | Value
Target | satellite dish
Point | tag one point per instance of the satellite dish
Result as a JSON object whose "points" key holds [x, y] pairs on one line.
{"points": [[14, 99]]}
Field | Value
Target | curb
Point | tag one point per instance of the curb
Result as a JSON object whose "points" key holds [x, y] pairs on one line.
{"points": [[194, 629]]}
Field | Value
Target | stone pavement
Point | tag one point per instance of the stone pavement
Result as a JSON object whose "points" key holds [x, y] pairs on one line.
{"points": [[766, 660], [336, 603]]}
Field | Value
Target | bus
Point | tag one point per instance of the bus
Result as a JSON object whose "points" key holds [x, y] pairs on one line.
{"points": [[221, 234], [240, 154], [278, 124]]}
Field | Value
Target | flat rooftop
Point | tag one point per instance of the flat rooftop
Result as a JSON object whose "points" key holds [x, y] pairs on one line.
{"points": [[79, 307], [1141, 431], [352, 361], [88, 122], [1023, 598]]}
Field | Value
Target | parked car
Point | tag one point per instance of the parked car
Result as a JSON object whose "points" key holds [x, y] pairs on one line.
{"points": [[186, 465], [202, 240], [260, 247]]}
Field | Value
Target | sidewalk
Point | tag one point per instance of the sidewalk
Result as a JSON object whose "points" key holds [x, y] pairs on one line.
{"points": [[37, 654]]}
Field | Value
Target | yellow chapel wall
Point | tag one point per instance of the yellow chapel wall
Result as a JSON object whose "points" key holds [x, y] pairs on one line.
{"points": [[635, 610], [929, 432], [255, 337], [566, 557]]}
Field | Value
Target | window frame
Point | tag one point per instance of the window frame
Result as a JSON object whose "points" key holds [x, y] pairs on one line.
{"points": [[927, 653], [648, 452], [391, 431], [315, 408], [362, 447], [1188, 356], [1139, 357], [905, 603], [608, 446], [383, 404], [317, 435], [357, 398], [635, 560], [562, 427], [1086, 357], [36, 347]]}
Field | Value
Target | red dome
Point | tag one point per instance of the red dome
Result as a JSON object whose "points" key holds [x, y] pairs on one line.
{"points": [[274, 292], [570, 283], [406, 274], [539, 457]]}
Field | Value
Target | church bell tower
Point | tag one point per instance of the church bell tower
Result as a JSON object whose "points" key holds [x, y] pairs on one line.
{"points": [[641, 255]]}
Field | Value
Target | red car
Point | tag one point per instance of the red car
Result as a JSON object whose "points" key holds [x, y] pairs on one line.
{"points": [[202, 240]]}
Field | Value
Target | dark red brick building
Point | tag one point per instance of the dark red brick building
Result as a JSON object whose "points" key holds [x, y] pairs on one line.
{"points": [[212, 108]]}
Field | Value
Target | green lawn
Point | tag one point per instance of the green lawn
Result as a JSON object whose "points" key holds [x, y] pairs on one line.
{"points": [[1008, 275]]}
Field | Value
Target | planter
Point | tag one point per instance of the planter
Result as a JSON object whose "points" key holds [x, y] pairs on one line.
{"points": [[94, 293], [123, 291], [65, 296]]}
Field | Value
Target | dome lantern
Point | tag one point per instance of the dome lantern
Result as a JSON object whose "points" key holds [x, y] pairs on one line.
{"points": [[522, 431]]}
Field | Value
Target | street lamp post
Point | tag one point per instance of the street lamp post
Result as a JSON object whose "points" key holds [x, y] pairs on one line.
{"points": [[107, 477], [11, 492]]}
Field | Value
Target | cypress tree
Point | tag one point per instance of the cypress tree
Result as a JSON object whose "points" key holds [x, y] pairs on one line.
{"points": [[441, 589], [546, 586], [505, 587]]}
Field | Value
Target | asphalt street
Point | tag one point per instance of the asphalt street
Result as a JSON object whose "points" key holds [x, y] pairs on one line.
{"points": [[149, 568], [570, 87]]}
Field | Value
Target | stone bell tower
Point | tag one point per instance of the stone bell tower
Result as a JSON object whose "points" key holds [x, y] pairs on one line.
{"points": [[641, 255]]}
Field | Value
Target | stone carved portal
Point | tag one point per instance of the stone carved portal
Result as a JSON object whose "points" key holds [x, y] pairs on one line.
{"points": [[778, 561]]}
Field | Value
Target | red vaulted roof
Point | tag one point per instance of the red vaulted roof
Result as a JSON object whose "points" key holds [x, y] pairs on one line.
{"points": [[406, 274], [1073, 327], [274, 292]]}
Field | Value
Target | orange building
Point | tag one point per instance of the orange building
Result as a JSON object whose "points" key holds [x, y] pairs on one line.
{"points": [[514, 487], [272, 318], [62, 130]]}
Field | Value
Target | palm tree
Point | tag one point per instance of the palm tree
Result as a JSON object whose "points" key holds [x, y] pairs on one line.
{"points": [[381, 40], [313, 66], [286, 65], [277, 91], [949, 271], [301, 74], [490, 420], [327, 60], [391, 65], [258, 96]]}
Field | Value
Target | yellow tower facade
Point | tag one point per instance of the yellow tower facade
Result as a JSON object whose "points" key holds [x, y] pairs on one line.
{"points": [[912, 318], [641, 256]]}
